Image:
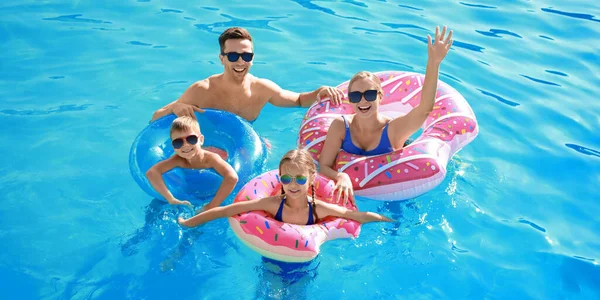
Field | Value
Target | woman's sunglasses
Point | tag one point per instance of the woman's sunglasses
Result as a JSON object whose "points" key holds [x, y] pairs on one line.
{"points": [[234, 56], [191, 139], [370, 95], [287, 179]]}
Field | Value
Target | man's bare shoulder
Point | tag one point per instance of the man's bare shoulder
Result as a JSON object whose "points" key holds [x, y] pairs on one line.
{"points": [[265, 85], [203, 84]]}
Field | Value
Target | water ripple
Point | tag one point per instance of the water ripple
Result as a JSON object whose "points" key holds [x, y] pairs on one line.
{"points": [[410, 7], [189, 18], [507, 102], [56, 77], [37, 112], [353, 2], [138, 43], [497, 32], [261, 24], [75, 18], [584, 150], [309, 5], [540, 81], [570, 14], [423, 39], [546, 37], [557, 73], [538, 227], [483, 62], [396, 26], [450, 76], [168, 10], [458, 250], [477, 5], [210, 8], [108, 29], [388, 62]]}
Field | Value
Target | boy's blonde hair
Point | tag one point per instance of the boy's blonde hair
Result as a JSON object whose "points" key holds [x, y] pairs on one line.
{"points": [[184, 123]]}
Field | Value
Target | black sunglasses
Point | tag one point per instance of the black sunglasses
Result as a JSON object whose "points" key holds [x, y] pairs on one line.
{"points": [[191, 139], [370, 95], [234, 56]]}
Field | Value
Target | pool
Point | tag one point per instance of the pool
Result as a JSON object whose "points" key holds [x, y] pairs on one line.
{"points": [[515, 217]]}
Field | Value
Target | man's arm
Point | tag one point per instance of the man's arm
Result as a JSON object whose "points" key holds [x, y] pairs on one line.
{"points": [[284, 98], [187, 104]]}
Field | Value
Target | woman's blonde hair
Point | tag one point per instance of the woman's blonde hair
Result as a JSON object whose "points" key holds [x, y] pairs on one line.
{"points": [[368, 75]]}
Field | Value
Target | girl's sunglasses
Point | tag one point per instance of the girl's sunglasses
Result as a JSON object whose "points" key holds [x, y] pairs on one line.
{"points": [[370, 95], [234, 56], [287, 179], [191, 139]]}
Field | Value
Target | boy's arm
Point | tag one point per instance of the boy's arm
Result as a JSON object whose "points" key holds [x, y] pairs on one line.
{"points": [[154, 175], [325, 209], [230, 179], [227, 211]]}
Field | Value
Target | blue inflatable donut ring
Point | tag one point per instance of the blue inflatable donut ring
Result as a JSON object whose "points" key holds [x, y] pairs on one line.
{"points": [[234, 138]]}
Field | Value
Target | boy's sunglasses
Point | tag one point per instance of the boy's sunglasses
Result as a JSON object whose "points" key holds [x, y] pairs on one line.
{"points": [[234, 56], [370, 95], [191, 139], [287, 179]]}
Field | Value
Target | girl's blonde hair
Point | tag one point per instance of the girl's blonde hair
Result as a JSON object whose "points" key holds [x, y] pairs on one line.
{"points": [[303, 159]]}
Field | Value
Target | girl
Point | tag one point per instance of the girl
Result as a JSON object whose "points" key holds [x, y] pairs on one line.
{"points": [[297, 172]]}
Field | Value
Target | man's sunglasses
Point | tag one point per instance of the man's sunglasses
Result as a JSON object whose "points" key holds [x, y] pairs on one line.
{"points": [[287, 179], [370, 95], [234, 56], [191, 139]]}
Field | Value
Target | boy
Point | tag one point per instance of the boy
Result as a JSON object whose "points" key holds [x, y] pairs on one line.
{"points": [[187, 141]]}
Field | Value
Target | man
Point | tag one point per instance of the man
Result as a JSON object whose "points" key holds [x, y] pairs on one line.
{"points": [[237, 91]]}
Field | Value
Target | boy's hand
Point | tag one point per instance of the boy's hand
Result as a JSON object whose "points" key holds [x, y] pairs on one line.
{"points": [[179, 202]]}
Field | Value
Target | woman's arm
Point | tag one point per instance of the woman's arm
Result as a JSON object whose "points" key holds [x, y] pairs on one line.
{"points": [[325, 209], [227, 211], [404, 126]]}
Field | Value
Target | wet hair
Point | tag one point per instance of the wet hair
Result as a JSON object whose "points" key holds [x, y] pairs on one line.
{"points": [[304, 160], [184, 123], [368, 75], [233, 33]]}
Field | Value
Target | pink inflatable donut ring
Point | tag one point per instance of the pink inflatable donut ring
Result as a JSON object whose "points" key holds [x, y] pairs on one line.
{"points": [[418, 167], [282, 241]]}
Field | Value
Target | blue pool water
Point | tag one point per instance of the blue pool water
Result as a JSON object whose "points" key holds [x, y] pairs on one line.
{"points": [[517, 215]]}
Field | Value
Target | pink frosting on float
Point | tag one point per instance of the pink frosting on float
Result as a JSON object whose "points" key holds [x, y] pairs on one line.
{"points": [[283, 241]]}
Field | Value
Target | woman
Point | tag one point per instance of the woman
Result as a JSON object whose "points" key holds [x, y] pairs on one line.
{"points": [[368, 132]]}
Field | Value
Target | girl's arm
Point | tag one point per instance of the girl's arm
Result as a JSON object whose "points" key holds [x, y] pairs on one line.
{"points": [[325, 209], [154, 175], [228, 211], [230, 179]]}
